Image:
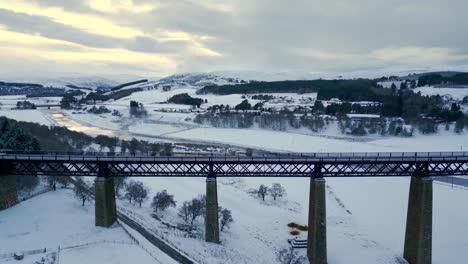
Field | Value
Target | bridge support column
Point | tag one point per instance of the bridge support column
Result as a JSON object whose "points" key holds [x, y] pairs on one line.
{"points": [[105, 208], [418, 236], [211, 214], [317, 235], [8, 195]]}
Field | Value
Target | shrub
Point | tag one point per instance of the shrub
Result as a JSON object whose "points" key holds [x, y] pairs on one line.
{"points": [[294, 232]]}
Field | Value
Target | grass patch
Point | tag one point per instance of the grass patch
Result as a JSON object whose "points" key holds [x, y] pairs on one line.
{"points": [[298, 226], [294, 232]]}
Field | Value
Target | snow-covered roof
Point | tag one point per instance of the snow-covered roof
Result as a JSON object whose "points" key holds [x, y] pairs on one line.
{"points": [[363, 116]]}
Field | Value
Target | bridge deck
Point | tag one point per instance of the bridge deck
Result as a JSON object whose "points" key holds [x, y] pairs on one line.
{"points": [[267, 165]]}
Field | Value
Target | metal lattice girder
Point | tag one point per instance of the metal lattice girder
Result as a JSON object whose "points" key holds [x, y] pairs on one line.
{"points": [[362, 166]]}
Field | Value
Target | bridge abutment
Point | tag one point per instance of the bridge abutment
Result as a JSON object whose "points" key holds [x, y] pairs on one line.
{"points": [[105, 207], [8, 195], [317, 234], [418, 236], [211, 214]]}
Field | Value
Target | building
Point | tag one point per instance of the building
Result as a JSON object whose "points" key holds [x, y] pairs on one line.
{"points": [[362, 117]]}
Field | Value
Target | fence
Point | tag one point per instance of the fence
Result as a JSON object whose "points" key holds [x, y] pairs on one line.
{"points": [[163, 245], [26, 253], [59, 248], [263, 154], [98, 242]]}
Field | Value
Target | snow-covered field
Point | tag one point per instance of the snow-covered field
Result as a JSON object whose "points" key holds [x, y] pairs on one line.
{"points": [[9, 101], [455, 93], [40, 116], [281, 141], [57, 219]]}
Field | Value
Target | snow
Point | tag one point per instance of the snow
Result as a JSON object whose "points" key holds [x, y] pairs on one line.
{"points": [[365, 217], [363, 116], [41, 116], [35, 116], [9, 101], [107, 253], [455, 93], [380, 206], [57, 219], [62, 80], [281, 141]]}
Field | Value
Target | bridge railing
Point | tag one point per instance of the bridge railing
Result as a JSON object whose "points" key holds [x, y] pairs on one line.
{"points": [[244, 155]]}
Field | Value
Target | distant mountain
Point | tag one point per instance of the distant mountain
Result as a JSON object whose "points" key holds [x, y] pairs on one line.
{"points": [[92, 82], [198, 79]]}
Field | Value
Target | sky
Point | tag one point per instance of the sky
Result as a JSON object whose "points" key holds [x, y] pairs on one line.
{"points": [[162, 37]]}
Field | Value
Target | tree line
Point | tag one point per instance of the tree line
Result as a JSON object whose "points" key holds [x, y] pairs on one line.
{"points": [[26, 136], [436, 79], [359, 89]]}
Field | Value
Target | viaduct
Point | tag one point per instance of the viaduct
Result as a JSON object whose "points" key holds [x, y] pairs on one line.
{"points": [[421, 167]]}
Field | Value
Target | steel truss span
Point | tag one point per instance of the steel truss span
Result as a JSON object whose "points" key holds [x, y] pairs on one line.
{"points": [[271, 165]]}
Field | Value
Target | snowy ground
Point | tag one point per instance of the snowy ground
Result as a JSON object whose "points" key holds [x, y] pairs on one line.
{"points": [[455, 93], [365, 217], [106, 253], [40, 116], [281, 141], [9, 101], [57, 219]]}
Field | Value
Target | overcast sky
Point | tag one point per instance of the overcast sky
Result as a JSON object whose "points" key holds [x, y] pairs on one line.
{"points": [[158, 38]]}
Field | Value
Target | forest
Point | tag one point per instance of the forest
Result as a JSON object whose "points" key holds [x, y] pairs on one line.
{"points": [[356, 90], [25, 136], [437, 79]]}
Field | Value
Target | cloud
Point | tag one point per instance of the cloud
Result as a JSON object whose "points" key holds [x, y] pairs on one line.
{"points": [[418, 55], [117, 6], [43, 26], [200, 35]]}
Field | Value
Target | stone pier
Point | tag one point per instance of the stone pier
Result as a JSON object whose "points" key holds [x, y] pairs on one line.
{"points": [[8, 196], [105, 208], [211, 214], [317, 234], [418, 236]]}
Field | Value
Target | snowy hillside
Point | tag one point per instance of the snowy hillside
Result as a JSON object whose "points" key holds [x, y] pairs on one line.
{"points": [[453, 93]]}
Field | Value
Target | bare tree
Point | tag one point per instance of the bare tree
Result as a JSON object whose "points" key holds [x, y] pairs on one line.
{"points": [[27, 183], [64, 181], [289, 256], [162, 200], [225, 218], [119, 184], [196, 208], [137, 192], [184, 211], [52, 181], [142, 194], [81, 190], [262, 191], [190, 210], [277, 191]]}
